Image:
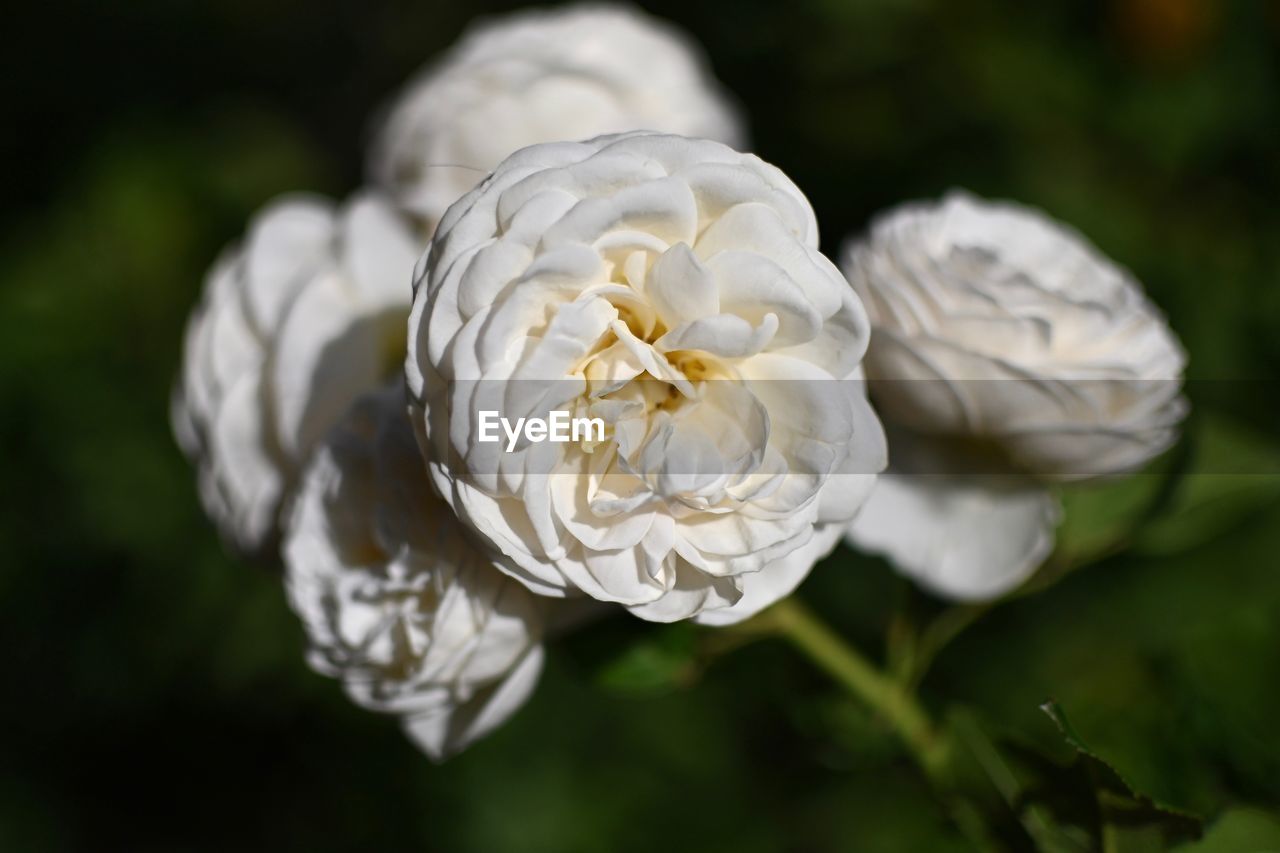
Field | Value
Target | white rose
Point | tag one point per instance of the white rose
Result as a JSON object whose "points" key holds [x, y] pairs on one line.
{"points": [[1026, 335], [999, 331], [542, 76], [672, 288], [294, 324], [396, 603]]}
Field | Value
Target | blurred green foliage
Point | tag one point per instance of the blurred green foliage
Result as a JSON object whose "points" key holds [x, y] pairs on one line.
{"points": [[158, 698]]}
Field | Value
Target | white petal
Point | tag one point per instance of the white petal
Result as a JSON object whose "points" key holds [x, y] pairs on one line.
{"points": [[381, 252], [448, 732], [682, 289], [329, 353], [691, 593], [775, 581], [288, 240], [248, 473], [965, 537]]}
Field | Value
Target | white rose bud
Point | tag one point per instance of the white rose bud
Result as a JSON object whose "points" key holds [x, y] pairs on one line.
{"points": [[396, 603], [294, 324], [673, 289], [542, 76], [999, 331]]}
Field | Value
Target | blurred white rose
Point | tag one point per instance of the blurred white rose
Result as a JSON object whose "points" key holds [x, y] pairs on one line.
{"points": [[1002, 332], [294, 324], [992, 320], [672, 288], [542, 76], [396, 603]]}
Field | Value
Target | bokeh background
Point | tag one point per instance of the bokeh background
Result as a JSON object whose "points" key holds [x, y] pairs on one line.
{"points": [[155, 695]]}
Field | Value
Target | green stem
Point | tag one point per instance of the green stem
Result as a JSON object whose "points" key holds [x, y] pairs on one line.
{"points": [[791, 619], [934, 750], [949, 625]]}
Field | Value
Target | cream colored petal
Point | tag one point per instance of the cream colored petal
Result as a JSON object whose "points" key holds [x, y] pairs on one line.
{"points": [[970, 538], [448, 732]]}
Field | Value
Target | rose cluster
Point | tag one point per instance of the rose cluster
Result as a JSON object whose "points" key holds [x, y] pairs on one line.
{"points": [[562, 221]]}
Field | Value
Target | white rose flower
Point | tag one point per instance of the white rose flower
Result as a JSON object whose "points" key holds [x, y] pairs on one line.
{"points": [[673, 289], [294, 324], [542, 76], [1000, 331], [396, 603], [1027, 336]]}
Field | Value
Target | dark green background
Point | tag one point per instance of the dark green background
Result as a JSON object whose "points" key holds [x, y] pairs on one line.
{"points": [[155, 695]]}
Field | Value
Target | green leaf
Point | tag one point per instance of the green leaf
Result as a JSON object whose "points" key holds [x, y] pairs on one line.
{"points": [[1124, 820], [1239, 831], [981, 764], [665, 659], [1234, 473]]}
